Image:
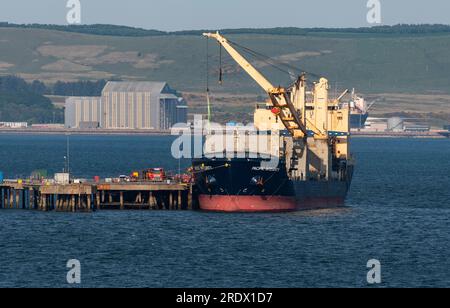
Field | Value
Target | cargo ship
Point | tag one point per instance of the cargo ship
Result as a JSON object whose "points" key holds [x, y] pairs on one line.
{"points": [[296, 158], [359, 111], [241, 185]]}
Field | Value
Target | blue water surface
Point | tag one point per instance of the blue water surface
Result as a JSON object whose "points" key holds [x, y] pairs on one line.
{"points": [[398, 211]]}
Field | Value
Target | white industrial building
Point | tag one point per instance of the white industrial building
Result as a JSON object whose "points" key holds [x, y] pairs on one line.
{"points": [[128, 105], [83, 110]]}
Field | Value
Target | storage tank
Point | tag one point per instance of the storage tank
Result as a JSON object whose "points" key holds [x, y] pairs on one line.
{"points": [[395, 124]]}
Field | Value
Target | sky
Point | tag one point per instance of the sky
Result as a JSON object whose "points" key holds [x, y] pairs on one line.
{"points": [[172, 15]]}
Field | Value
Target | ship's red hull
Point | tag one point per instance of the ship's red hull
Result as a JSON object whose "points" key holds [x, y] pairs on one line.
{"points": [[222, 203]]}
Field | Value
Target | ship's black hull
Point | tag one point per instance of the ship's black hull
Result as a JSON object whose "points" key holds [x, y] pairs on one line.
{"points": [[242, 185]]}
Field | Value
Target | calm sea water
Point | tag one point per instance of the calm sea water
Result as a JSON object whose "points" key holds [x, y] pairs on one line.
{"points": [[398, 212]]}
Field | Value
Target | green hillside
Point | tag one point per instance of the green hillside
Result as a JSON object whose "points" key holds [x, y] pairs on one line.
{"points": [[407, 63], [404, 68], [24, 102]]}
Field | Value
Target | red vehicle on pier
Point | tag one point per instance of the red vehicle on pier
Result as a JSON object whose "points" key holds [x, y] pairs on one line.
{"points": [[151, 174], [155, 175]]}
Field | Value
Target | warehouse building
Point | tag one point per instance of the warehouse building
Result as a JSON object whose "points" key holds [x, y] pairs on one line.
{"points": [[129, 105], [141, 105], [172, 110], [81, 110]]}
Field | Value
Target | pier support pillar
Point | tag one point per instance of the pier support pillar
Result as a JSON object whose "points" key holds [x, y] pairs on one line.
{"points": [[139, 198], [43, 202], [17, 201], [97, 199], [11, 198], [31, 199], [24, 199], [150, 201], [73, 204], [89, 198], [57, 202], [189, 197], [121, 201], [65, 203]]}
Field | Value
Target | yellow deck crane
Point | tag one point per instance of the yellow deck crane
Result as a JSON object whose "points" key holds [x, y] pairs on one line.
{"points": [[319, 129], [290, 115]]}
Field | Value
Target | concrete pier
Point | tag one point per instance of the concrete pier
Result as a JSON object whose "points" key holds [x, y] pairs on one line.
{"points": [[89, 197]]}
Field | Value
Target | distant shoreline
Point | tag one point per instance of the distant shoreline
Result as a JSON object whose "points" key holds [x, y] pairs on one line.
{"points": [[129, 31], [121, 132], [140, 132], [433, 135]]}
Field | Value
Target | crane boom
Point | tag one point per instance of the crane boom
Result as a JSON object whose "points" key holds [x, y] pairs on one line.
{"points": [[257, 76], [278, 95]]}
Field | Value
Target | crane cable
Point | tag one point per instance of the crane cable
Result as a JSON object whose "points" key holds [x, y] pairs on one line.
{"points": [[277, 64], [272, 62], [220, 65], [207, 82]]}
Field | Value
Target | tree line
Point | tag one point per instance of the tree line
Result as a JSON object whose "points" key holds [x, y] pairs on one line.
{"points": [[95, 29], [61, 88], [22, 101], [77, 88], [114, 30]]}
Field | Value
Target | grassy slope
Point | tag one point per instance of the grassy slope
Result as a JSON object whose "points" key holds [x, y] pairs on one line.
{"points": [[371, 63], [367, 62]]}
